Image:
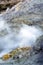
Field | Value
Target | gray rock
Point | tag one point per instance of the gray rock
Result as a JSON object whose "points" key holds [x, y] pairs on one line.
{"points": [[39, 44], [24, 13], [34, 10]]}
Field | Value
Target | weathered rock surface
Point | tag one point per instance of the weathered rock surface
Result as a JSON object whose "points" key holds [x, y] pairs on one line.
{"points": [[7, 3], [39, 44], [38, 48], [30, 13], [27, 12]]}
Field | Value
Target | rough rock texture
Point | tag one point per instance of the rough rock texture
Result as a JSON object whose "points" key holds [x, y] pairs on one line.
{"points": [[17, 53], [26, 12], [39, 44], [4, 4], [38, 48]]}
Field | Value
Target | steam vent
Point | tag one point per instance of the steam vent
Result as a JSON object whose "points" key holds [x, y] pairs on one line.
{"points": [[21, 32]]}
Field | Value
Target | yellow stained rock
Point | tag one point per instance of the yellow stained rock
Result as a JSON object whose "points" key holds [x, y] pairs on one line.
{"points": [[6, 56], [14, 52]]}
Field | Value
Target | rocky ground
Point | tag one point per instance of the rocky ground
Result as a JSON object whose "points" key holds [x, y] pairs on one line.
{"points": [[4, 4], [29, 13]]}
